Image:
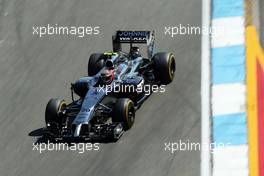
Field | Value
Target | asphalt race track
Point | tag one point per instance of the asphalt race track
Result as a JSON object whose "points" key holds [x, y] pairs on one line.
{"points": [[34, 69], [261, 18]]}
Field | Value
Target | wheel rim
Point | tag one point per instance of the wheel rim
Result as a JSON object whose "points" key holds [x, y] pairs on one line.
{"points": [[172, 67], [131, 113], [61, 107]]}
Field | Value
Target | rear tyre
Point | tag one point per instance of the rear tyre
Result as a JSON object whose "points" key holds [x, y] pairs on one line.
{"points": [[164, 67], [124, 112], [95, 64], [53, 109]]}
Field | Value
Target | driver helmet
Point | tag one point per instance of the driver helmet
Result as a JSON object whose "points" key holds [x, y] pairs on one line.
{"points": [[134, 52], [107, 76]]}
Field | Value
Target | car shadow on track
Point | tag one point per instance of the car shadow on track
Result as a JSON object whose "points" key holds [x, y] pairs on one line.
{"points": [[39, 137]]}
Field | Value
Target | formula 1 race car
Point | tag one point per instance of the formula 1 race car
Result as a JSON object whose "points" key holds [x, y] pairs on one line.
{"points": [[103, 109]]}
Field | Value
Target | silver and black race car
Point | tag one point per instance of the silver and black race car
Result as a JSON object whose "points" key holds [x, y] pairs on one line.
{"points": [[113, 90]]}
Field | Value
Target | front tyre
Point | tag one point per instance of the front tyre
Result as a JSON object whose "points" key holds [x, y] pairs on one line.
{"points": [[95, 64], [53, 110], [164, 67], [124, 112]]}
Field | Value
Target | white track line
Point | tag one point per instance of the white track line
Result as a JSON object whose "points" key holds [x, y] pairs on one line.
{"points": [[206, 168]]}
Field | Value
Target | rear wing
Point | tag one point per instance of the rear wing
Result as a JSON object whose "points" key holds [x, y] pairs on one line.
{"points": [[130, 37]]}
